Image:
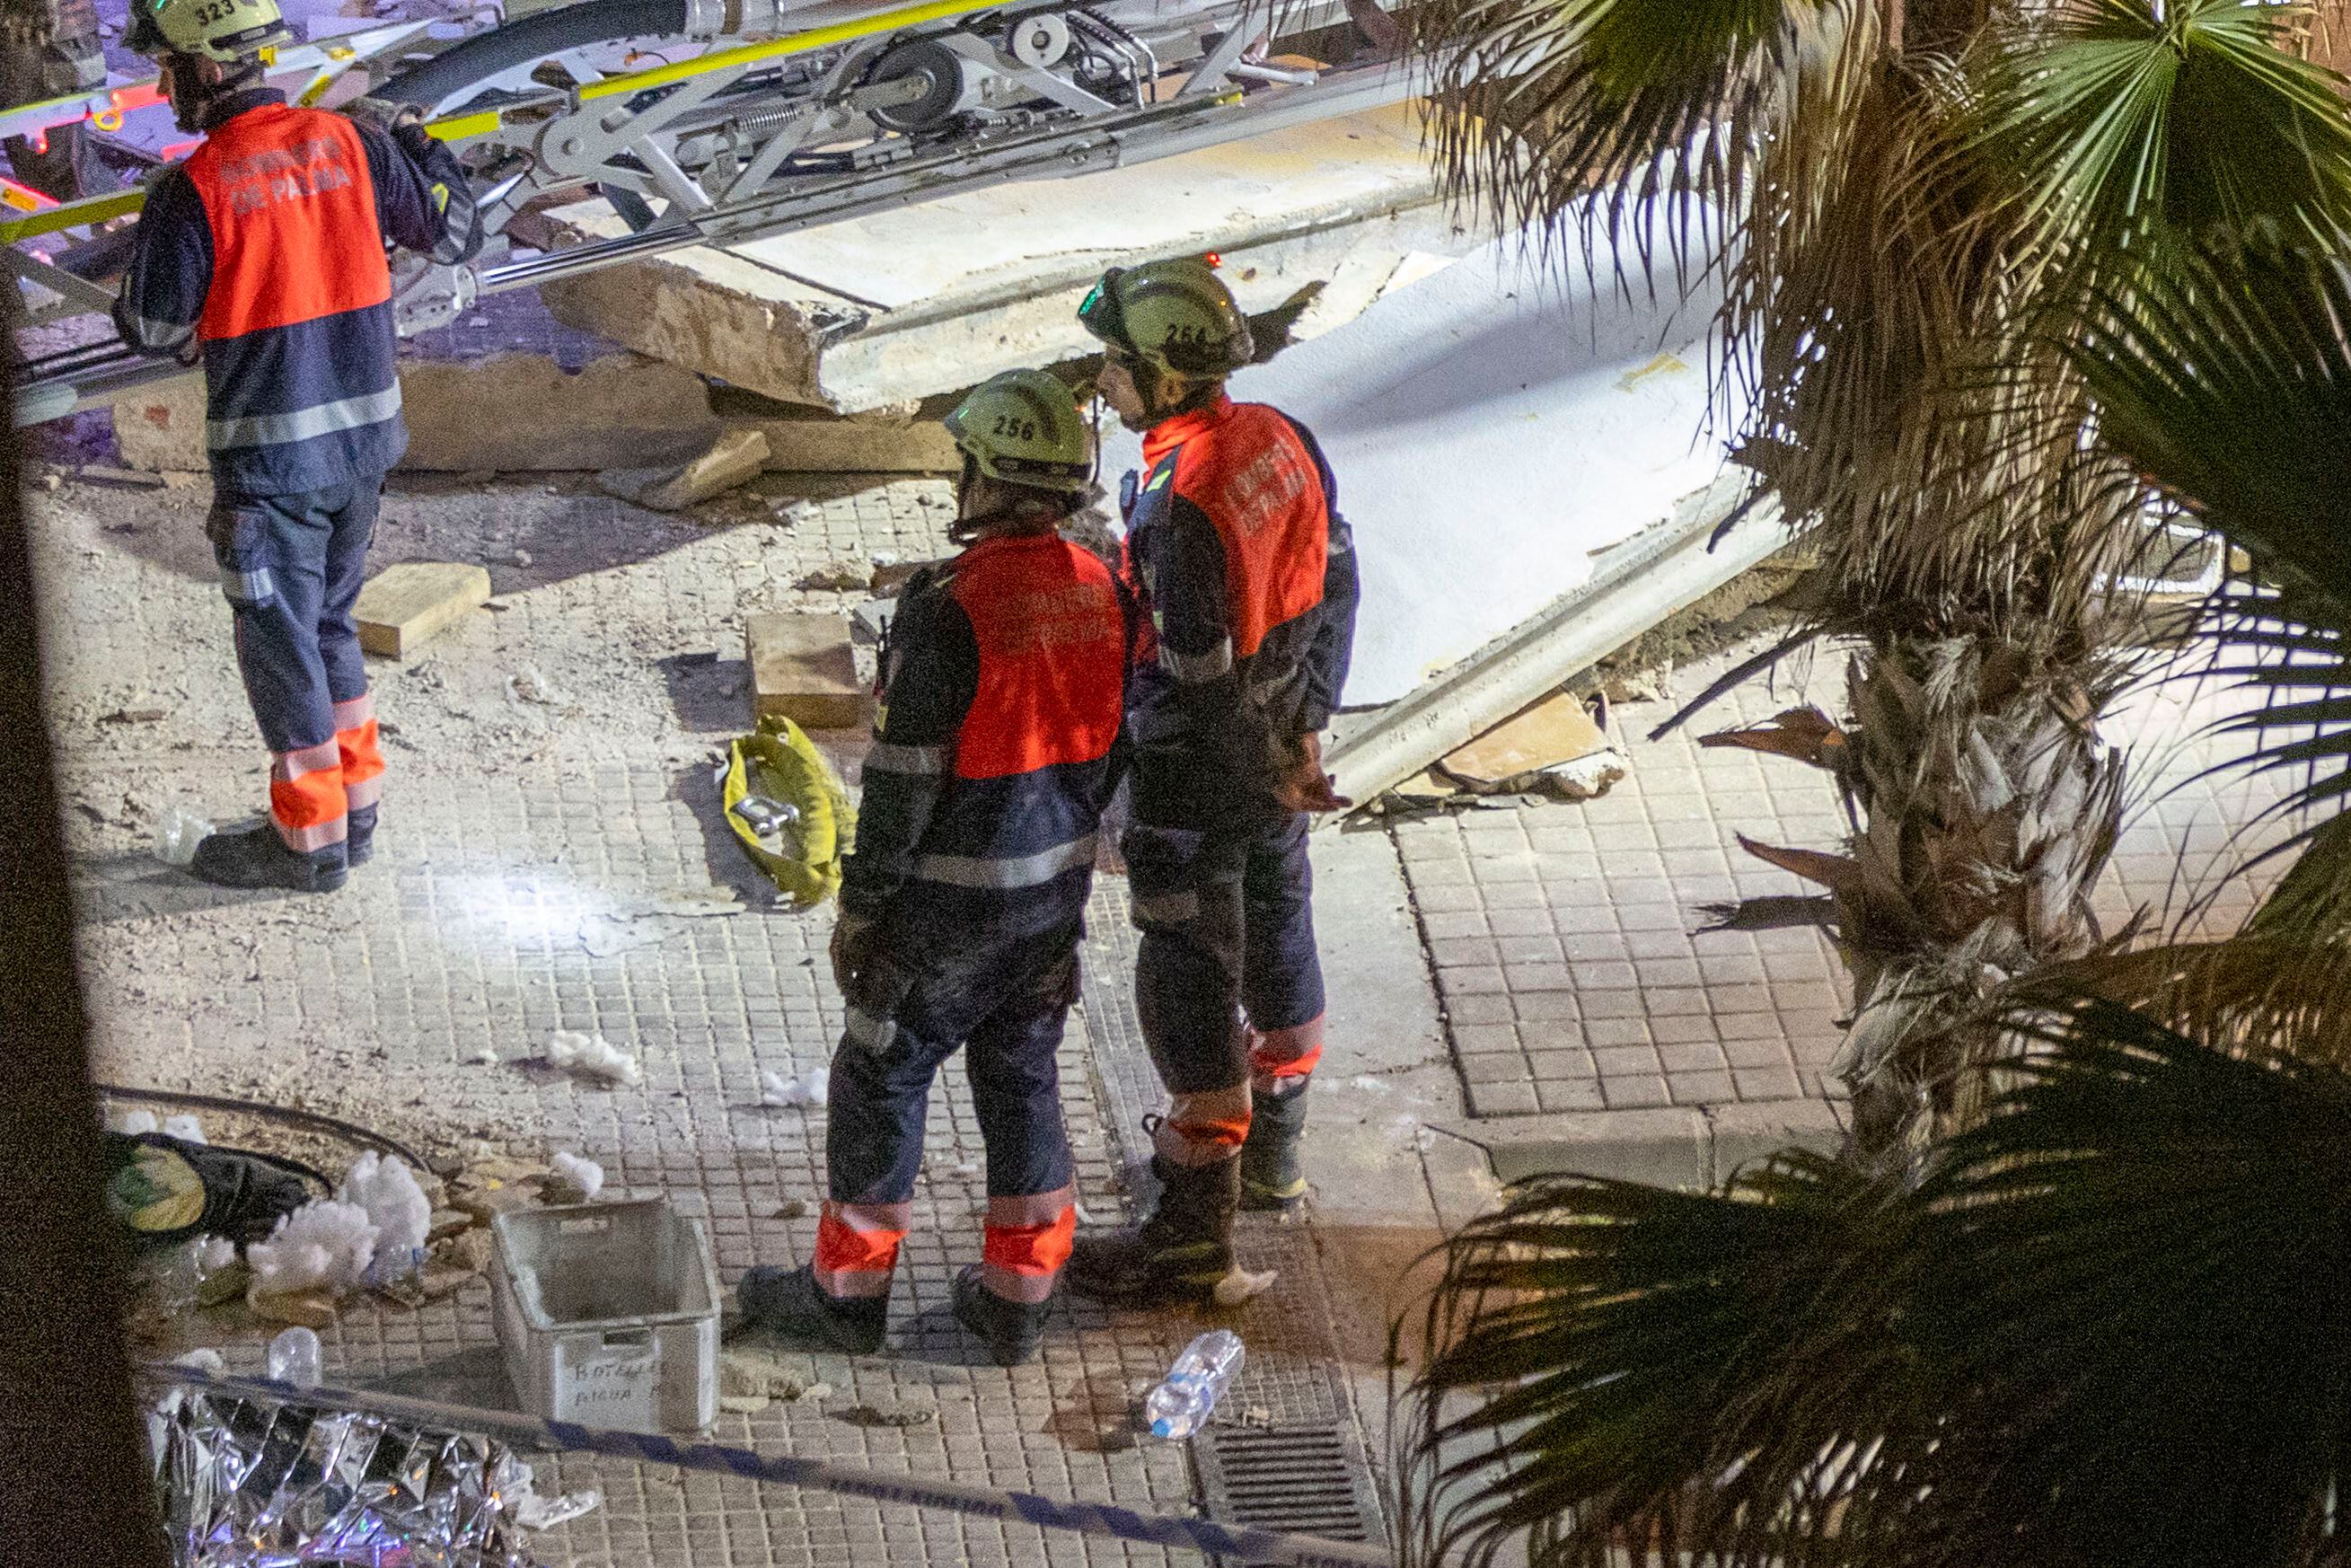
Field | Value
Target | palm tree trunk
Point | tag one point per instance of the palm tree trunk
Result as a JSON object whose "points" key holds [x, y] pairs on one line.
{"points": [[1985, 806]]}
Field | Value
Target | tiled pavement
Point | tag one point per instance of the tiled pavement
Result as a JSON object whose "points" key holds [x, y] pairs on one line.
{"points": [[1563, 937]]}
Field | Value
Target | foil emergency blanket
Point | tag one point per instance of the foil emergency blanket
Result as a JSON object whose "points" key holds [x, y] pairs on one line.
{"points": [[252, 1485]]}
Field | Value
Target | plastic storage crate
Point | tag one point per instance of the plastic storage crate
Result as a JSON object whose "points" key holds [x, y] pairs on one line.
{"points": [[609, 1314]]}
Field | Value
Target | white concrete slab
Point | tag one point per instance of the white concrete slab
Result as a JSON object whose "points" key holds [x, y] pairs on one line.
{"points": [[1491, 430], [904, 305]]}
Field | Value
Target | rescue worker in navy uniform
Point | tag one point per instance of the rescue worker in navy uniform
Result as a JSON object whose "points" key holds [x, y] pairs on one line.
{"points": [[995, 751], [264, 254], [1238, 554]]}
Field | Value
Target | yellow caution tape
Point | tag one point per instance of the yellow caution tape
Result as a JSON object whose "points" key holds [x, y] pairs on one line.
{"points": [[778, 761]]}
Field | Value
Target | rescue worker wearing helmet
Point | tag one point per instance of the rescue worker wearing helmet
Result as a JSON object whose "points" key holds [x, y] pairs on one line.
{"points": [[997, 746], [1238, 555], [263, 255]]}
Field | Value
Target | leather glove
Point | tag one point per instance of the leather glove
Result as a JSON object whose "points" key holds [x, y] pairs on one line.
{"points": [[1305, 787]]}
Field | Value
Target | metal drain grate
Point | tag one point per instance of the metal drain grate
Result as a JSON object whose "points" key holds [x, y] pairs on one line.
{"points": [[1306, 1480]]}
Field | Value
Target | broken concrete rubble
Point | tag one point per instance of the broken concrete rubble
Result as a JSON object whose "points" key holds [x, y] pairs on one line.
{"points": [[523, 413], [733, 457], [856, 315]]}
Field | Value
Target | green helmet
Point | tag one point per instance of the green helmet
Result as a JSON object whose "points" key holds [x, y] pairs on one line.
{"points": [[229, 32], [1175, 314], [1023, 427]]}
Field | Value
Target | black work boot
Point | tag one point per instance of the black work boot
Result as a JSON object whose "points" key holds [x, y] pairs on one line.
{"points": [[1011, 1330], [1177, 1255], [359, 844], [258, 857], [1272, 1174], [786, 1303]]}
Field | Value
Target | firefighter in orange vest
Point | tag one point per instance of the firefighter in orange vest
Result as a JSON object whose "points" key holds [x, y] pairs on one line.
{"points": [[263, 254], [1237, 552], [996, 748]]}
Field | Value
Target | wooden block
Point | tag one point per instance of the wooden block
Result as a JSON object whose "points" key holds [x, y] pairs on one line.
{"points": [[402, 606], [801, 667]]}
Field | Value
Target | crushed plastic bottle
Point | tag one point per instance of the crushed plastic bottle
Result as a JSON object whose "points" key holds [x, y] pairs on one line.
{"points": [[295, 1357], [177, 836], [1180, 1405]]}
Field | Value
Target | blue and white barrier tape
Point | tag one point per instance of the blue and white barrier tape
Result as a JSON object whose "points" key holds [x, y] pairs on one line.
{"points": [[1235, 1543]]}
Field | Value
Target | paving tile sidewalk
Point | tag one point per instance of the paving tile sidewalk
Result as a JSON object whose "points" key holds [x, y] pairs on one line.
{"points": [[1581, 995]]}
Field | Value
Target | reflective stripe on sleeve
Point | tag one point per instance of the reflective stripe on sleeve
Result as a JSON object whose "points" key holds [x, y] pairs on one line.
{"points": [[922, 762], [1193, 668]]}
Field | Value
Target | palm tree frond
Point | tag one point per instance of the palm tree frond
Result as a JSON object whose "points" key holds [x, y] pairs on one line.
{"points": [[1639, 1362], [2117, 119], [2148, 1240], [1659, 106]]}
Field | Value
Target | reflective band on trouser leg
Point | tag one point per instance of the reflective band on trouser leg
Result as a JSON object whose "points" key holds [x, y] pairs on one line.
{"points": [[857, 1247], [361, 754], [306, 797], [1279, 1055], [1203, 1128], [1028, 1241]]}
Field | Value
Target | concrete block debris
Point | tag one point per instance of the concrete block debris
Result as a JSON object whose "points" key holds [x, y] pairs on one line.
{"points": [[841, 576], [593, 1056], [404, 606], [804, 669], [735, 457]]}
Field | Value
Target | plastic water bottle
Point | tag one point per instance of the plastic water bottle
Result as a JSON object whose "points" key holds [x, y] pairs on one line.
{"points": [[178, 834], [295, 1357], [1179, 1407]]}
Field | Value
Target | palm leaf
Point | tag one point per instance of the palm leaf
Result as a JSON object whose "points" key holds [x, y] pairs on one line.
{"points": [[2115, 122], [1660, 106], [2225, 376], [2149, 1243], [2106, 1326], [1639, 1363]]}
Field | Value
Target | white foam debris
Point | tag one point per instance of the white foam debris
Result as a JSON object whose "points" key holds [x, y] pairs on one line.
{"points": [[585, 1175], [131, 1124], [217, 1252], [388, 1192], [1240, 1284], [187, 1129], [323, 1244], [533, 1512], [809, 1088], [1369, 1084], [593, 1056], [484, 1057]]}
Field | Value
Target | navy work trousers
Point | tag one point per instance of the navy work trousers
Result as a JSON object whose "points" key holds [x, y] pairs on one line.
{"points": [[291, 567], [1228, 983], [1006, 1001]]}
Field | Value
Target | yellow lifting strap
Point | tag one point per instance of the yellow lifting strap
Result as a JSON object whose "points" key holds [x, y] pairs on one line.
{"points": [[778, 761]]}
